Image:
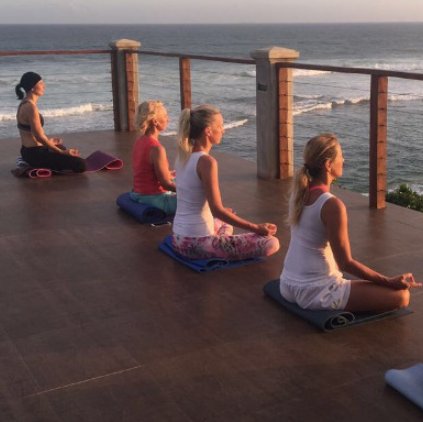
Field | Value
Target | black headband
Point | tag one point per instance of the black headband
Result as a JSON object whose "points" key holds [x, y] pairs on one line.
{"points": [[29, 80]]}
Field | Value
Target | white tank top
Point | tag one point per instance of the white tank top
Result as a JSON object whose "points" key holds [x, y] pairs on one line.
{"points": [[193, 217], [310, 258]]}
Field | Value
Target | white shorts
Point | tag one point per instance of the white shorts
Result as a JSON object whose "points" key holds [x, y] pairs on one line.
{"points": [[331, 295]]}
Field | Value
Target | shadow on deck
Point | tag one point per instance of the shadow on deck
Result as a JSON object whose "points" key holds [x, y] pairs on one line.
{"points": [[97, 325]]}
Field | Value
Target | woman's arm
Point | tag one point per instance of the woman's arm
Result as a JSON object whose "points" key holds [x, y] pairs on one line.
{"points": [[335, 219], [207, 170], [161, 167]]}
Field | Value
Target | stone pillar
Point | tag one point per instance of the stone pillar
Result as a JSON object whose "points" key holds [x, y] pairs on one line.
{"points": [[269, 118], [124, 83]]}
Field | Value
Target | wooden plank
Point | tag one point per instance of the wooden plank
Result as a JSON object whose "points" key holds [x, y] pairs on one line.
{"points": [[185, 82], [378, 141], [96, 324], [285, 124]]}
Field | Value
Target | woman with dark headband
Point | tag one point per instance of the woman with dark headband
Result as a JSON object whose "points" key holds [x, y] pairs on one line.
{"points": [[38, 150], [319, 248]]}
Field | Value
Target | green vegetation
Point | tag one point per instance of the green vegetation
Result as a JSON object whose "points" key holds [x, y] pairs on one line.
{"points": [[406, 197]]}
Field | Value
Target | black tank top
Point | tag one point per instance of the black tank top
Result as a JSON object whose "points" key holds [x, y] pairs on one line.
{"points": [[24, 127]]}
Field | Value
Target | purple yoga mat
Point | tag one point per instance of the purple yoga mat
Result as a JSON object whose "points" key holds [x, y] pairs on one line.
{"points": [[99, 160], [32, 173]]}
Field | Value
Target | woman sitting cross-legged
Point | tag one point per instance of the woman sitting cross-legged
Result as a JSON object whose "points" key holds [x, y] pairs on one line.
{"points": [[320, 248], [196, 234], [38, 150], [153, 181]]}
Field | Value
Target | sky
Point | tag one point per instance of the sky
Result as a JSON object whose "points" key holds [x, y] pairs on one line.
{"points": [[209, 11]]}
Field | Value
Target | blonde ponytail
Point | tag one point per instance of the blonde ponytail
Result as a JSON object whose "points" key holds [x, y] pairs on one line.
{"points": [[191, 126], [317, 151], [183, 136], [299, 194]]}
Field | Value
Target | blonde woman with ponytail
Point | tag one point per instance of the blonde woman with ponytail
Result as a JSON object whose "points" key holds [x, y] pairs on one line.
{"points": [[153, 181], [203, 227], [320, 248]]}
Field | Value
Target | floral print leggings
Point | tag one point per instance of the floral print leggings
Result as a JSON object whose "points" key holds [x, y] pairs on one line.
{"points": [[223, 244]]}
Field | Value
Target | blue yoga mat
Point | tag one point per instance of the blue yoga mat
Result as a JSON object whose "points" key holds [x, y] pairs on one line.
{"points": [[142, 212], [327, 320], [408, 382], [203, 265]]}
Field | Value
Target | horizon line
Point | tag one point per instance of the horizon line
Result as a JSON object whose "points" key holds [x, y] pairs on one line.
{"points": [[217, 23]]}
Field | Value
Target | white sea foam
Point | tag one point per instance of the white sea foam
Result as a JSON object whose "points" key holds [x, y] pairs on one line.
{"points": [[63, 112], [297, 72], [309, 72], [76, 110], [6, 117], [248, 73], [227, 126], [234, 124], [306, 108]]}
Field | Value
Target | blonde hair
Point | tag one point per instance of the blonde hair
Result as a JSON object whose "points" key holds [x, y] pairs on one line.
{"points": [[146, 113], [191, 126], [317, 151]]}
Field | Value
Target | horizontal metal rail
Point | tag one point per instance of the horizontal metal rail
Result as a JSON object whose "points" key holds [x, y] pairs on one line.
{"points": [[357, 70], [197, 57], [52, 52]]}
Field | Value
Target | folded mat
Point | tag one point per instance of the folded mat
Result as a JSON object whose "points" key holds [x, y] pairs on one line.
{"points": [[99, 160], [203, 265], [96, 161], [142, 212], [31, 172], [408, 381], [328, 320]]}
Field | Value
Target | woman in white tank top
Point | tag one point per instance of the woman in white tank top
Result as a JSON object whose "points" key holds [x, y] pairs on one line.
{"points": [[320, 249], [203, 227]]}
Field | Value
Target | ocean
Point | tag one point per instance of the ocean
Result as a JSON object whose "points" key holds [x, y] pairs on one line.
{"points": [[78, 88]]}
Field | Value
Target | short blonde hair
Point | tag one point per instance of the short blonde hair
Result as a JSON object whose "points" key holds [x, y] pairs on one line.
{"points": [[146, 113]]}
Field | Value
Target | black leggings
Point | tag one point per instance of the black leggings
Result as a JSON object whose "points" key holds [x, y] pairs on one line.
{"points": [[43, 157]]}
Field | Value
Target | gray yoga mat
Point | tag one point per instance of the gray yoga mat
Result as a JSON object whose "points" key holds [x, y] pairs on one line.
{"points": [[328, 320]]}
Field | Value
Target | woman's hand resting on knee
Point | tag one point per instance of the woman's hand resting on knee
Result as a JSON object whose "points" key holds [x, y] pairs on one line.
{"points": [[403, 281], [73, 152], [266, 229]]}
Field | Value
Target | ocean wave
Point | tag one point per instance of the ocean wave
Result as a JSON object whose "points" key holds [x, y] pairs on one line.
{"points": [[63, 112], [6, 117], [309, 72], [297, 72], [227, 126], [248, 73], [306, 104], [403, 97], [234, 124], [77, 110], [306, 108]]}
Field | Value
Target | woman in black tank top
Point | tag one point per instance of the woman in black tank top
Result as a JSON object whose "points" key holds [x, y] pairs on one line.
{"points": [[38, 150]]}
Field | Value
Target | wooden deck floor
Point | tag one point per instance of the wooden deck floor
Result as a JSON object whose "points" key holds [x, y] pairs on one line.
{"points": [[97, 325]]}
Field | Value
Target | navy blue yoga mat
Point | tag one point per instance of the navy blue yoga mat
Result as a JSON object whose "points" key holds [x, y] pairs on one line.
{"points": [[142, 212], [408, 382], [203, 265], [327, 320]]}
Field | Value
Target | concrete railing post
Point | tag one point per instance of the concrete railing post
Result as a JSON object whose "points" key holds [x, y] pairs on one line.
{"points": [[270, 143], [124, 83]]}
